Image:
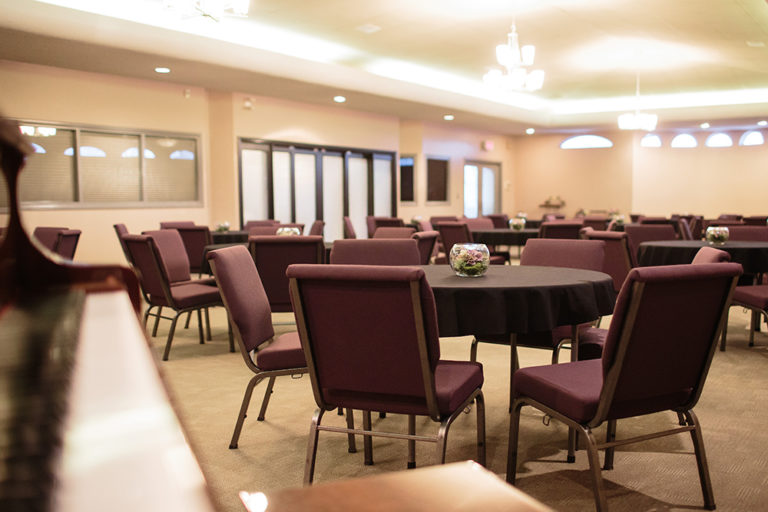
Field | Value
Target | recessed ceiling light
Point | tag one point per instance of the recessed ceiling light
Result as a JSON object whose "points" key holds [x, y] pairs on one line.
{"points": [[756, 44], [449, 117], [339, 99], [368, 28], [704, 126], [530, 131], [762, 123], [162, 70]]}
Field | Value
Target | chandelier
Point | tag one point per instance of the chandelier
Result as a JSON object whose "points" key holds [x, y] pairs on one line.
{"points": [[515, 60], [214, 9], [638, 120]]}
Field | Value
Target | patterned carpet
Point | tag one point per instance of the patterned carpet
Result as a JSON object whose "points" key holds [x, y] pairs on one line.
{"points": [[207, 384]]}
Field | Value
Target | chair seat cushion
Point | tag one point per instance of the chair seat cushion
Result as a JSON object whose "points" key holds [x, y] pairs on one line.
{"points": [[193, 294], [455, 381], [753, 296], [208, 281], [284, 352], [573, 389], [498, 260]]}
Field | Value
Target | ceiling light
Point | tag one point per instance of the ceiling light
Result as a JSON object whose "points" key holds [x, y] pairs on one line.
{"points": [[214, 9], [449, 117], [368, 28], [515, 60], [162, 70], [339, 99], [762, 123], [530, 131], [638, 120], [704, 126]]}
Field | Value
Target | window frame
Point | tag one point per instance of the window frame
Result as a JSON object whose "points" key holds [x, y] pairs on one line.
{"points": [[142, 134]]}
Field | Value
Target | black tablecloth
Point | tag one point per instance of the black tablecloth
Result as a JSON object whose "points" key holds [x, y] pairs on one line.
{"points": [[753, 256], [518, 299], [503, 236], [229, 237]]}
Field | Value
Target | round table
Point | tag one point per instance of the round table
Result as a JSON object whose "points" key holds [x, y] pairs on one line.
{"points": [[229, 237], [503, 236], [512, 299], [753, 256]]}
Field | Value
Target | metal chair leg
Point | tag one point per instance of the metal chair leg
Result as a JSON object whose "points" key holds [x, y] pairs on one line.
{"points": [[200, 326], [189, 317], [473, 350], [157, 320], [170, 337], [207, 325], [480, 407], [243, 410], [367, 440], [701, 461], [514, 431], [601, 504], [411, 442], [610, 436], [309, 464], [350, 425], [265, 402]]}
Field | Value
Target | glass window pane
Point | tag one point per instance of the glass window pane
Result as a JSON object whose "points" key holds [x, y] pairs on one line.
{"points": [[254, 192], [358, 194], [406, 179], [281, 186], [719, 140], [49, 175], [470, 191], [489, 191], [172, 174], [751, 138], [333, 197], [437, 180], [684, 140], [382, 187], [105, 175], [306, 189]]}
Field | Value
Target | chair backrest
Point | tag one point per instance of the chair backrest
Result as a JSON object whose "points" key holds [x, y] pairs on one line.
{"points": [[392, 251], [550, 217], [386, 222], [195, 239], [597, 222], [243, 296], [478, 223], [618, 262], [121, 231], [639, 233], [662, 337], [747, 233], [171, 253], [177, 224], [684, 228], [548, 252], [263, 230], [47, 236], [500, 220], [453, 233], [66, 243], [710, 255], [437, 219], [152, 274], [755, 220], [273, 254], [425, 225], [426, 241], [560, 229], [255, 223], [317, 227], [369, 335], [349, 229], [696, 224], [370, 225], [729, 216], [394, 232]]}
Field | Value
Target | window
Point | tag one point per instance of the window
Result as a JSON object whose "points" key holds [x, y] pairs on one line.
{"points": [[110, 168], [650, 141], [586, 142], [719, 140], [406, 179], [751, 138], [684, 140], [437, 179]]}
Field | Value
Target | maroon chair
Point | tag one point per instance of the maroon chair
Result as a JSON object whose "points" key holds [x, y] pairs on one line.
{"points": [[597, 222], [500, 220], [393, 232], [425, 225], [263, 230], [710, 255], [437, 219], [563, 229], [684, 229], [349, 228], [755, 220], [257, 223], [156, 276], [250, 316], [478, 223], [639, 233], [66, 243], [177, 224], [748, 233], [273, 254], [195, 238], [386, 222], [453, 233], [730, 216], [370, 338], [393, 251], [121, 231], [617, 262], [47, 236], [657, 355], [317, 227], [427, 243]]}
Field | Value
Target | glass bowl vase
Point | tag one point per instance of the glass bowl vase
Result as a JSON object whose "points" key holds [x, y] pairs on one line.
{"points": [[469, 260], [518, 223], [717, 235], [288, 231]]}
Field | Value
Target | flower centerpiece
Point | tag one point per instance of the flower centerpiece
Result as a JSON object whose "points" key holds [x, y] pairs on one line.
{"points": [[717, 235], [288, 231], [222, 226], [517, 223], [469, 260], [521, 215]]}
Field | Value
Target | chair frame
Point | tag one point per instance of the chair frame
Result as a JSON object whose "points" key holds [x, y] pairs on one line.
{"points": [[258, 376], [692, 424], [367, 432]]}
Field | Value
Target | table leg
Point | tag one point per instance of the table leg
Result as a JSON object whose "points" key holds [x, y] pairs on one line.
{"points": [[514, 365]]}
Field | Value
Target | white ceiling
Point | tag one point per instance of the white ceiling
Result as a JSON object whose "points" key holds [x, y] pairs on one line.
{"points": [[697, 60]]}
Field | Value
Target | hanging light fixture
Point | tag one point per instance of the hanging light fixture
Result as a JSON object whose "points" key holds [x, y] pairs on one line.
{"points": [[214, 9], [638, 120], [515, 60]]}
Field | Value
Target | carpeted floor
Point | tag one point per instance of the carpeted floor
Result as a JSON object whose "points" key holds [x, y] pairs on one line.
{"points": [[207, 384]]}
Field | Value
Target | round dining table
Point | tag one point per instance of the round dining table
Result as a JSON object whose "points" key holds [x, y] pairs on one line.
{"points": [[753, 256]]}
